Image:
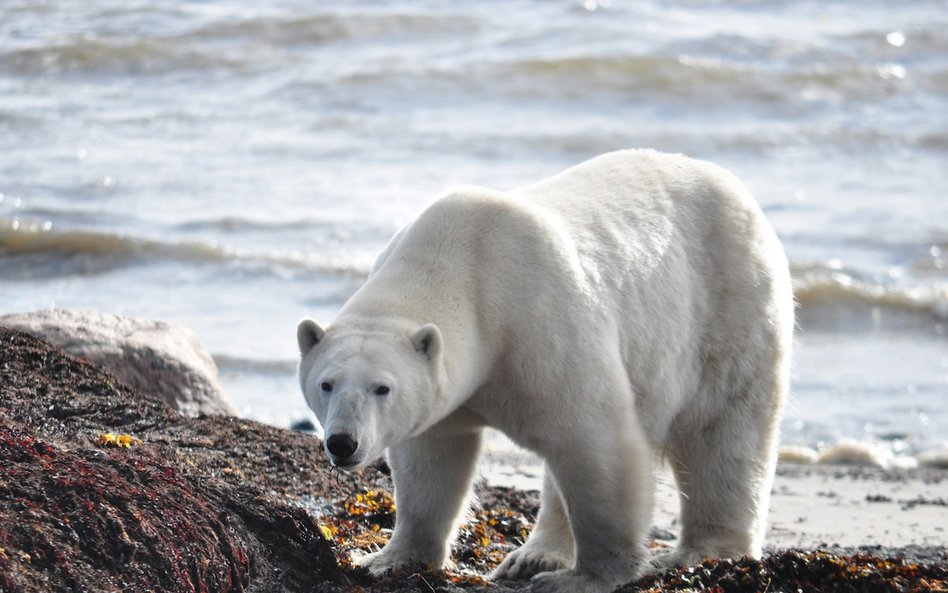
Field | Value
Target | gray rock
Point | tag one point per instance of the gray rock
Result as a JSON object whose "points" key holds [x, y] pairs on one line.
{"points": [[304, 425], [160, 361], [661, 534]]}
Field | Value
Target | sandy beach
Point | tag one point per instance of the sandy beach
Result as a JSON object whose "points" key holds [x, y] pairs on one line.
{"points": [[811, 506]]}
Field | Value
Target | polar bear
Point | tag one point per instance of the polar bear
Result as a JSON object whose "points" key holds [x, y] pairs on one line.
{"points": [[635, 307]]}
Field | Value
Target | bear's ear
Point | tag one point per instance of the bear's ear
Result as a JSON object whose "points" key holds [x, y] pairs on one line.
{"points": [[427, 340], [308, 334]]}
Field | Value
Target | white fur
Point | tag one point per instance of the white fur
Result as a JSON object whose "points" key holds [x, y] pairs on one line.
{"points": [[635, 306]]}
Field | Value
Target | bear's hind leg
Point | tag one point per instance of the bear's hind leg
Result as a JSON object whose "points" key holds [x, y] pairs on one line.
{"points": [[550, 546], [724, 471]]}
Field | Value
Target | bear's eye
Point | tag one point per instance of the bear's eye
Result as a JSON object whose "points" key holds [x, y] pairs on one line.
{"points": [[326, 386], [382, 390]]}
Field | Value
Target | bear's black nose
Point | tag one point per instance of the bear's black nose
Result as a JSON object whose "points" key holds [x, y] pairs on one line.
{"points": [[341, 446]]}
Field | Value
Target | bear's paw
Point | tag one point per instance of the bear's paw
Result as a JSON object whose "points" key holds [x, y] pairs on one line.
{"points": [[569, 581], [380, 563], [680, 557], [528, 560], [392, 558]]}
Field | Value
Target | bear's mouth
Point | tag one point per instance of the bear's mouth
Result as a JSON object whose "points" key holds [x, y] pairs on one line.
{"points": [[348, 465]]}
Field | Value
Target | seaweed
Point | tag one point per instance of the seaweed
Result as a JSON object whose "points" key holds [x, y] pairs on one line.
{"points": [[795, 571]]}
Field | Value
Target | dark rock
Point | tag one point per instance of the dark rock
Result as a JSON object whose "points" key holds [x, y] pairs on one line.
{"points": [[305, 425], [661, 534]]}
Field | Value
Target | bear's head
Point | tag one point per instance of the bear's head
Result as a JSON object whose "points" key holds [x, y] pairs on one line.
{"points": [[371, 386]]}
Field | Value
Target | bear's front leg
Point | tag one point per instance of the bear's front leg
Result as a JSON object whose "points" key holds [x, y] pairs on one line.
{"points": [[432, 475], [605, 477]]}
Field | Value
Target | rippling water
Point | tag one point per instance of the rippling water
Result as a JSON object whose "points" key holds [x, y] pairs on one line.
{"points": [[234, 168]]}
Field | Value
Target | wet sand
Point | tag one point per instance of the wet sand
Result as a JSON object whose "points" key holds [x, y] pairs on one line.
{"points": [[825, 506]]}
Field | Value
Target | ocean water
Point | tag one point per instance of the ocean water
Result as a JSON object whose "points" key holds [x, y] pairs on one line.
{"points": [[234, 167]]}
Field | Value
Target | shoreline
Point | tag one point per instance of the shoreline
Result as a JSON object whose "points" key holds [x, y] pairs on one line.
{"points": [[843, 507]]}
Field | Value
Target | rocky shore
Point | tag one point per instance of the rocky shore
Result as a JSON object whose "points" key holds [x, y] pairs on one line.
{"points": [[216, 503]]}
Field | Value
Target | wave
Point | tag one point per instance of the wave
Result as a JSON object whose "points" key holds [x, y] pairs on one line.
{"points": [[690, 75], [832, 299], [190, 47], [10, 120], [99, 217], [668, 76], [31, 250], [829, 298], [864, 453], [925, 38], [228, 363], [236, 224], [708, 141], [83, 54], [323, 28]]}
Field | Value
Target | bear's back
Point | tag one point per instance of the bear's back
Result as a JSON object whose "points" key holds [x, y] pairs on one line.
{"points": [[600, 225]]}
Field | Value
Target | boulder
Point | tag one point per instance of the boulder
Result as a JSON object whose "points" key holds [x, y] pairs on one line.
{"points": [[160, 361]]}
